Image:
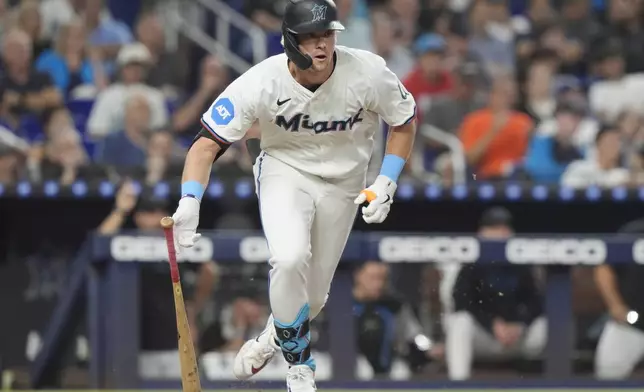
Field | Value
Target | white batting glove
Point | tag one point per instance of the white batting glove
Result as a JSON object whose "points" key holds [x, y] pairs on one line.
{"points": [[186, 220], [380, 195]]}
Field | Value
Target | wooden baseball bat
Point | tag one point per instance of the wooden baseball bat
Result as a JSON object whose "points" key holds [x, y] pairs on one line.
{"points": [[189, 370]]}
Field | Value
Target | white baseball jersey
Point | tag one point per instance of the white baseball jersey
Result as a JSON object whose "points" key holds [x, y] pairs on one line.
{"points": [[327, 133]]}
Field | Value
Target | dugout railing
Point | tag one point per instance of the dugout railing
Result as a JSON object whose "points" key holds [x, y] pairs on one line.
{"points": [[106, 273]]}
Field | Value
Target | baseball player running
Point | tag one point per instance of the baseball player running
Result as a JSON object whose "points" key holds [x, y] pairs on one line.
{"points": [[318, 107]]}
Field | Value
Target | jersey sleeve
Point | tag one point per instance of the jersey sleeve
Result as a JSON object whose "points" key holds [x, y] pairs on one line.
{"points": [[390, 99], [232, 113]]}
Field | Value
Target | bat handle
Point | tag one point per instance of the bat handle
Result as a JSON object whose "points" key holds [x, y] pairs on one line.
{"points": [[167, 222]]}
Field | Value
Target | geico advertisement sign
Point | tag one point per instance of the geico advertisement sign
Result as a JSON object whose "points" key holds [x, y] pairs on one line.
{"points": [[555, 251], [423, 249], [154, 249], [254, 250]]}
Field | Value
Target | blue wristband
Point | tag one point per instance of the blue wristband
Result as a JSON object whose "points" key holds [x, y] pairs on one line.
{"points": [[392, 166], [192, 189]]}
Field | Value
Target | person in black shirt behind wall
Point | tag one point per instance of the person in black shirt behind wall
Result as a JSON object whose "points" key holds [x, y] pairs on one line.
{"points": [[158, 326], [493, 311], [26, 91], [387, 327], [621, 344]]}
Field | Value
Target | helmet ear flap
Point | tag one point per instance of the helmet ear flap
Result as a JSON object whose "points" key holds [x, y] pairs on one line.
{"points": [[292, 50]]}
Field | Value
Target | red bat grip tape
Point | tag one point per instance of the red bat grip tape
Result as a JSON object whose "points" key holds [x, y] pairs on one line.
{"points": [[172, 254]]}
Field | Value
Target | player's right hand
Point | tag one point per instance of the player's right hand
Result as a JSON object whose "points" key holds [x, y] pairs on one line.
{"points": [[186, 220]]}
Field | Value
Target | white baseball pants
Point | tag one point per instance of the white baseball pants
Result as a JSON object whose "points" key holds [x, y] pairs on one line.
{"points": [[620, 349], [466, 339], [306, 221]]}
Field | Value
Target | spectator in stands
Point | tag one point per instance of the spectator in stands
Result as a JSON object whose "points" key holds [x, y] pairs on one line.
{"points": [[65, 159], [107, 114], [139, 153], [621, 345], [602, 168], [539, 14], [446, 114], [581, 27], [385, 43], [168, 72], [56, 13], [29, 21], [616, 91], [435, 16], [25, 90], [127, 148], [158, 326], [569, 51], [213, 80], [387, 327], [164, 159], [42, 157], [496, 138], [458, 46], [492, 36], [407, 12], [549, 155], [429, 79], [569, 92], [491, 310], [467, 95], [71, 63], [105, 33], [625, 25], [9, 164], [539, 100]]}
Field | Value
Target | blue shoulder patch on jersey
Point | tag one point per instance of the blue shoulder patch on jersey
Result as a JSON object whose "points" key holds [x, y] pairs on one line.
{"points": [[223, 111]]}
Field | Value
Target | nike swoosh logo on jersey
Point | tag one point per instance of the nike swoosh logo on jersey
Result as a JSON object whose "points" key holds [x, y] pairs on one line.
{"points": [[255, 370], [404, 94], [280, 103], [387, 201]]}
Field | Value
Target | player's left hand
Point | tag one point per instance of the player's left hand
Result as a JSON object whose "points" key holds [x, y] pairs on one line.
{"points": [[380, 195]]}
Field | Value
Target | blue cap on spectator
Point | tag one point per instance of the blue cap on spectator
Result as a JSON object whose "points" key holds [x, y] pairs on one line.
{"points": [[429, 42]]}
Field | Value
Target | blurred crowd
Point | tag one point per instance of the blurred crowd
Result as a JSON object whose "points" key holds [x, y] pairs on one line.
{"points": [[86, 96], [539, 90]]}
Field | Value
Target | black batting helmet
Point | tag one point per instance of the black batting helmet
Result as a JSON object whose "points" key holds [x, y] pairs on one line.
{"points": [[305, 17]]}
